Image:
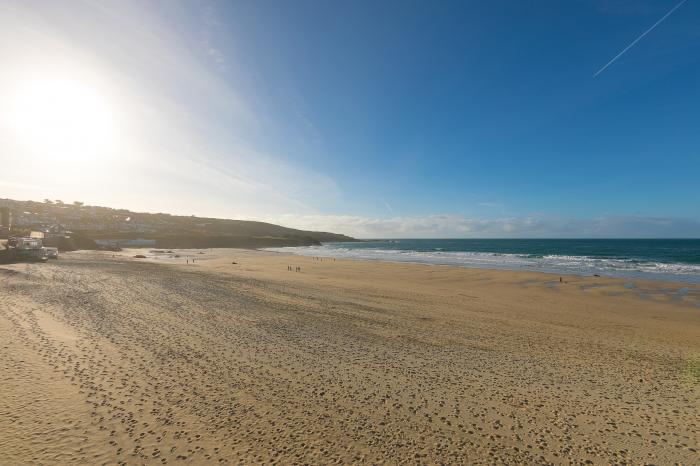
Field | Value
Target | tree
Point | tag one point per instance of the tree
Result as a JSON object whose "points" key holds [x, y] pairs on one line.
{"points": [[48, 201], [58, 201], [78, 203]]}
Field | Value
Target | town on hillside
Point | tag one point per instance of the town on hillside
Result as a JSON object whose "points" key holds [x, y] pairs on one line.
{"points": [[33, 227]]}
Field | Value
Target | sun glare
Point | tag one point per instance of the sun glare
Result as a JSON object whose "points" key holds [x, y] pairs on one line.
{"points": [[62, 118]]}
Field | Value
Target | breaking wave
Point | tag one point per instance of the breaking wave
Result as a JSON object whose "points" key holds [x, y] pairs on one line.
{"points": [[551, 263]]}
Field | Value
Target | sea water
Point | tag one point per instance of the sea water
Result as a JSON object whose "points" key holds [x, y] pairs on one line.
{"points": [[660, 259]]}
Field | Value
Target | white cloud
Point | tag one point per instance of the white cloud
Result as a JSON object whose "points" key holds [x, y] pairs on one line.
{"points": [[453, 226]]}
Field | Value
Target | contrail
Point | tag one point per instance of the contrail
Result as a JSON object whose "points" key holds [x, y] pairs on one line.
{"points": [[388, 207], [640, 37]]}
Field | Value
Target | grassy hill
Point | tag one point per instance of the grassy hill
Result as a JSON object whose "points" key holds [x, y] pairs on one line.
{"points": [[172, 231]]}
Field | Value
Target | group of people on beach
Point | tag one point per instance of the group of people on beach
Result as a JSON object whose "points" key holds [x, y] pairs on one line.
{"points": [[298, 269]]}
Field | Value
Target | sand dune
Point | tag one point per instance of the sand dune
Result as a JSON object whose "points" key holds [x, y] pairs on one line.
{"points": [[121, 360]]}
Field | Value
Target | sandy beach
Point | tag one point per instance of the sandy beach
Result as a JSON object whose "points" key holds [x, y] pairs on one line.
{"points": [[109, 359]]}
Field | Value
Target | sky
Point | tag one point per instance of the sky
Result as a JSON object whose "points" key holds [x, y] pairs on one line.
{"points": [[373, 119]]}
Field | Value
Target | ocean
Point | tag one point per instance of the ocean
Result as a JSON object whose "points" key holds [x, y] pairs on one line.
{"points": [[655, 259]]}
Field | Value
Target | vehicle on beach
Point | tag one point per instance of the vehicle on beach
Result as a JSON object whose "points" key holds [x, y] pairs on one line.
{"points": [[26, 249], [51, 253]]}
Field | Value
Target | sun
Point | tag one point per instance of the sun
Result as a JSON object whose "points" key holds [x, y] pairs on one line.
{"points": [[62, 118]]}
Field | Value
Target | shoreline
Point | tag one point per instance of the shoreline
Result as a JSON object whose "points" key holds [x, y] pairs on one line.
{"points": [[674, 292], [691, 279]]}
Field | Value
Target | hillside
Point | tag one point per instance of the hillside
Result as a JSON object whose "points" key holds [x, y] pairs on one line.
{"points": [[105, 223]]}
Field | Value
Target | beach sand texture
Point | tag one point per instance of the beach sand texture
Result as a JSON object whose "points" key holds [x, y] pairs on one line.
{"points": [[120, 360]]}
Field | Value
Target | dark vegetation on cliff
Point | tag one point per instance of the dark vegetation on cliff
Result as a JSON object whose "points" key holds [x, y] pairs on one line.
{"points": [[90, 223]]}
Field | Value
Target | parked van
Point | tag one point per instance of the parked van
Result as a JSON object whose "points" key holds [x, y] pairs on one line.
{"points": [[26, 249]]}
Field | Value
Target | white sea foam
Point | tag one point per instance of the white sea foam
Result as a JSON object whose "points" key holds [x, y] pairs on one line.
{"points": [[572, 265]]}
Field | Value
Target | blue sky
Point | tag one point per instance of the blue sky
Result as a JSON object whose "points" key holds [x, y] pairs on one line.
{"points": [[383, 118]]}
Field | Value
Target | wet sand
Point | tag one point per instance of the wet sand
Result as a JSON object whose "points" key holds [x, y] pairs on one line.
{"points": [[121, 360]]}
